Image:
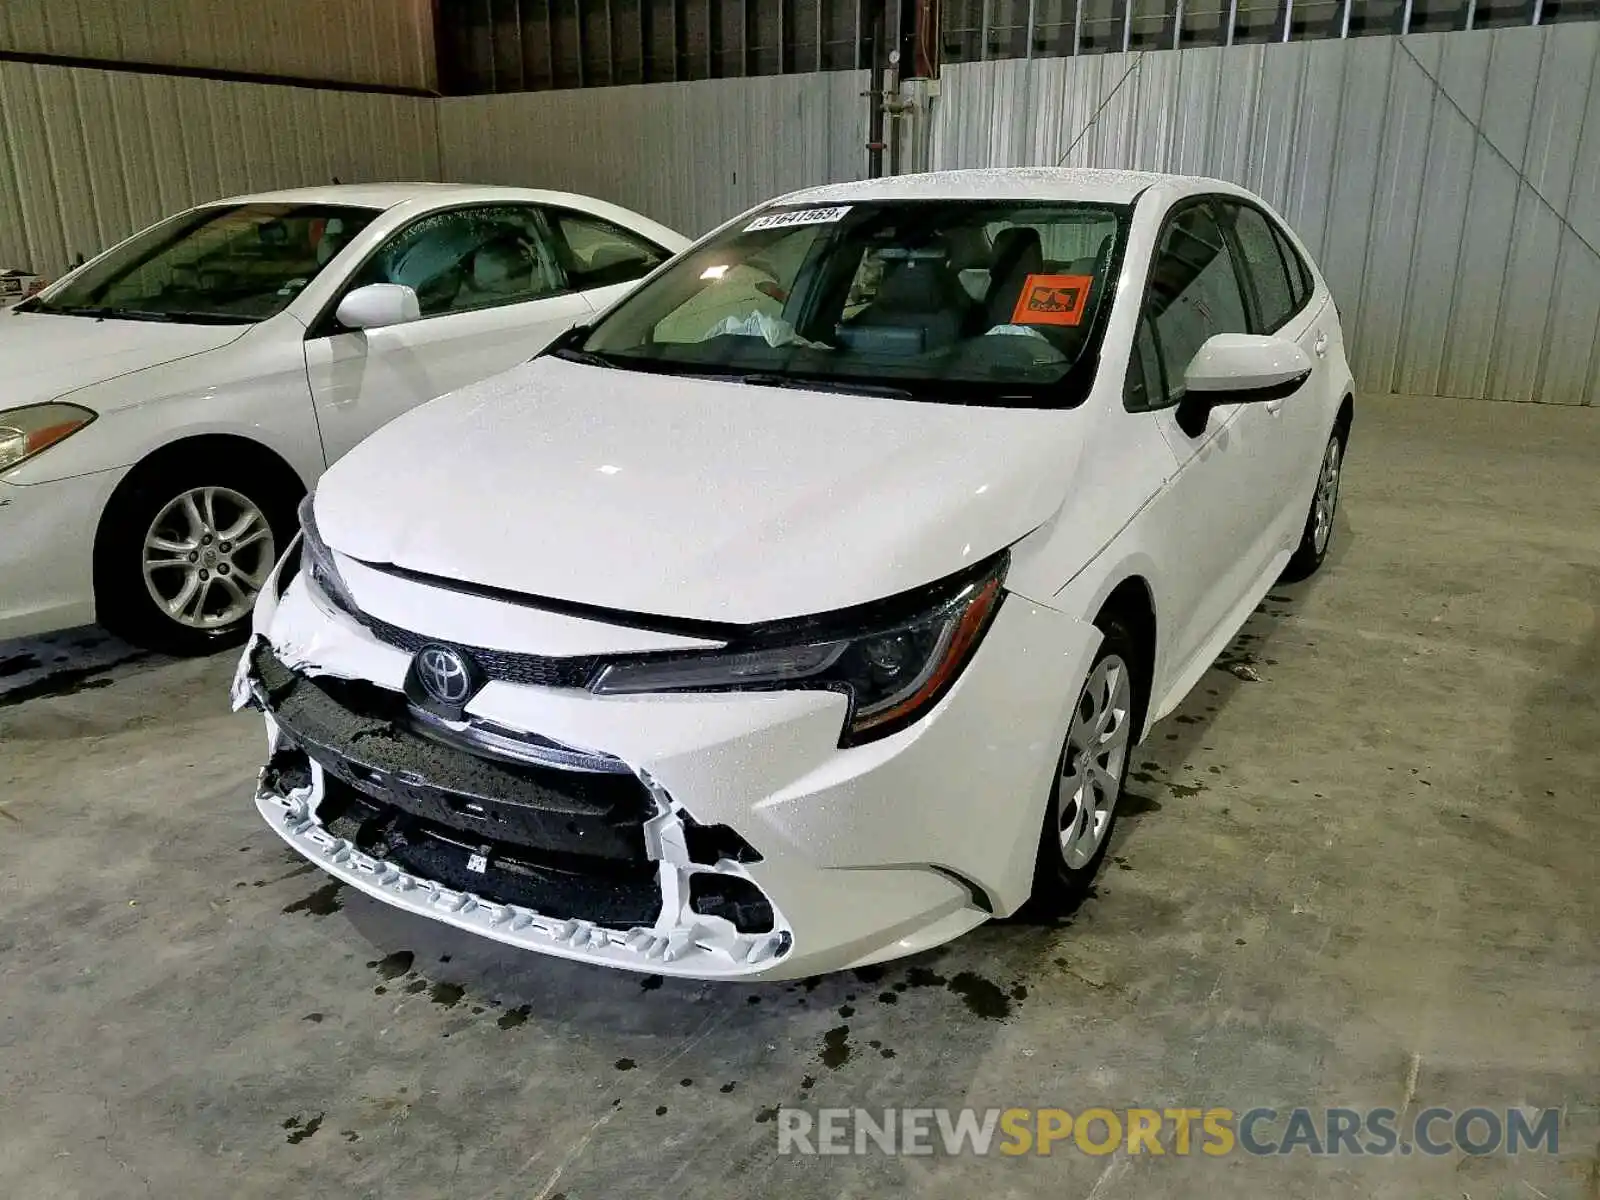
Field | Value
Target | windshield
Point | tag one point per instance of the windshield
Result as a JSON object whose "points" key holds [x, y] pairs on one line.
{"points": [[225, 265], [968, 302]]}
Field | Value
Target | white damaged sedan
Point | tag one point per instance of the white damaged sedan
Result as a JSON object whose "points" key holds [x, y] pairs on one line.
{"points": [[804, 611]]}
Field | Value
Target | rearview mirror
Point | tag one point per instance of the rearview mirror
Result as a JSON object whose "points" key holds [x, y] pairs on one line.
{"points": [[377, 305], [1239, 368]]}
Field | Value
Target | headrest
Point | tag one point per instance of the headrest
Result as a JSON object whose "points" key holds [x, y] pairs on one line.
{"points": [[1016, 251], [914, 286], [501, 266]]}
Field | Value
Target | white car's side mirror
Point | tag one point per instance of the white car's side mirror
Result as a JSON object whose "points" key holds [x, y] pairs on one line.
{"points": [[377, 305], [1239, 368]]}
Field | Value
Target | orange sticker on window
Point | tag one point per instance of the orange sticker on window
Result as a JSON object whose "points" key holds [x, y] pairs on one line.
{"points": [[1052, 300]]}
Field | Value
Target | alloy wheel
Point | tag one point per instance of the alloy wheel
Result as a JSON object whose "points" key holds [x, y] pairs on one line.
{"points": [[1327, 497], [1091, 766], [206, 556]]}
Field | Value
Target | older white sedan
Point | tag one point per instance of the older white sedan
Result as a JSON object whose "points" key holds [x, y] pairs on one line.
{"points": [[168, 403], [805, 610]]}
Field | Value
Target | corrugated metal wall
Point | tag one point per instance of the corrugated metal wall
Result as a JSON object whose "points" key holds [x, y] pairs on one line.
{"points": [[360, 41], [1449, 184], [92, 156], [687, 154]]}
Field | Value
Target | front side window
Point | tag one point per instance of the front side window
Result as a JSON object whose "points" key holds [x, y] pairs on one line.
{"points": [[967, 302], [462, 259], [596, 253], [1264, 266], [233, 264], [1193, 293]]}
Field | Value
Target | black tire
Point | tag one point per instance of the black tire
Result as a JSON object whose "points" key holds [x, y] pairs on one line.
{"points": [[123, 599], [1059, 886], [1312, 551]]}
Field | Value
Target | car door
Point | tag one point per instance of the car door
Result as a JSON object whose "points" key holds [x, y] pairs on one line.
{"points": [[491, 293], [1208, 520], [1278, 295]]}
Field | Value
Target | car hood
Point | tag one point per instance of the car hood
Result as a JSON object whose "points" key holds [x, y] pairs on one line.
{"points": [[692, 498], [44, 356]]}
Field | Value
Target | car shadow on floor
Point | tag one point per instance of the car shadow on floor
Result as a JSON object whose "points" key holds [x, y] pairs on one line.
{"points": [[61, 663]]}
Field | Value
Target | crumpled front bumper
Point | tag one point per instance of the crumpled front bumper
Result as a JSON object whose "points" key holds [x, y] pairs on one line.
{"points": [[863, 854]]}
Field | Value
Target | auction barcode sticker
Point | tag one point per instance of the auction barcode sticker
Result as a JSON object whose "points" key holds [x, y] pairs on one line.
{"points": [[798, 216]]}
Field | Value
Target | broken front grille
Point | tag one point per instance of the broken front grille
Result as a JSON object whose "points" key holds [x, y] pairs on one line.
{"points": [[363, 736]]}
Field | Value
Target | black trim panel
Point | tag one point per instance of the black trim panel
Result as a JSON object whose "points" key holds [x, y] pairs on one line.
{"points": [[218, 74]]}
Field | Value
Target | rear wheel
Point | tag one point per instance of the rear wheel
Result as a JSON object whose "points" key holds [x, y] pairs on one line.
{"points": [[1091, 774], [187, 549]]}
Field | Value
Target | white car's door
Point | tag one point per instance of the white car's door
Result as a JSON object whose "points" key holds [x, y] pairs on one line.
{"points": [[1209, 519], [491, 293], [1282, 303]]}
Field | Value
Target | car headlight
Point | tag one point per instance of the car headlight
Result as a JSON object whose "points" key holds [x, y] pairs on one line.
{"points": [[26, 431], [893, 659], [316, 560]]}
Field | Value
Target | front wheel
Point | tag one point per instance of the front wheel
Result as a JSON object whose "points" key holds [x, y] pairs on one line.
{"points": [[187, 554], [1318, 532], [1092, 772]]}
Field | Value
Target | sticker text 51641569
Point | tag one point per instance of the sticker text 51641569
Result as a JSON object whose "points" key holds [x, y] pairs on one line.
{"points": [[798, 216], [1052, 300]]}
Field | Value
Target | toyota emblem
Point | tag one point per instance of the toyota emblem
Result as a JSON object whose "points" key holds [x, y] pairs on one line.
{"points": [[444, 674]]}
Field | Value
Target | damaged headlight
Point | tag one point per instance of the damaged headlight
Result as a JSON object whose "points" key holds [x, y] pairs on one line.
{"points": [[318, 563], [894, 659]]}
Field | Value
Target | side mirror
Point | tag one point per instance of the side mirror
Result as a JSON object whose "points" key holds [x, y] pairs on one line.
{"points": [[377, 305], [1239, 368]]}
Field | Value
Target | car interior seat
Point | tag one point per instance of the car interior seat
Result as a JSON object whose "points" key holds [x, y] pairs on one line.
{"points": [[920, 306], [499, 270], [1017, 254]]}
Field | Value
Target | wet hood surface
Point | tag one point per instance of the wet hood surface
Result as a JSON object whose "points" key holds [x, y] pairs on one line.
{"points": [[689, 497]]}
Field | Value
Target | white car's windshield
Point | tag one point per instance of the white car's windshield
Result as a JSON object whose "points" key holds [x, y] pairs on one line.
{"points": [[230, 264], [971, 302]]}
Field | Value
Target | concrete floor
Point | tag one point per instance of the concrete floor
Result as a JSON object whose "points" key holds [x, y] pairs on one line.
{"points": [[1366, 876]]}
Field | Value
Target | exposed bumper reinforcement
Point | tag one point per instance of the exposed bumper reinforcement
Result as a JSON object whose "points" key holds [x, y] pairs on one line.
{"points": [[680, 941]]}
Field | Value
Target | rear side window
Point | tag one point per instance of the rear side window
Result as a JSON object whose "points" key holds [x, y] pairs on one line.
{"points": [[596, 253], [1299, 273], [1268, 275]]}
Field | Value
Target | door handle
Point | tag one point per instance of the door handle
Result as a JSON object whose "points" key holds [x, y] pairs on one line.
{"points": [[1274, 407], [1320, 347]]}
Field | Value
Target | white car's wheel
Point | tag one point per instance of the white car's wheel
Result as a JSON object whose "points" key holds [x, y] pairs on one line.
{"points": [[1092, 774], [186, 548], [1318, 533]]}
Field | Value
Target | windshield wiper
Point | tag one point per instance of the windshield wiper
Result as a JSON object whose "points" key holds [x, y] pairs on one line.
{"points": [[103, 312], [201, 318], [108, 312], [587, 357], [808, 384]]}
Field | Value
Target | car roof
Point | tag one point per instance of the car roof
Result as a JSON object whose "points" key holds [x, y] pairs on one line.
{"points": [[388, 195], [1002, 183]]}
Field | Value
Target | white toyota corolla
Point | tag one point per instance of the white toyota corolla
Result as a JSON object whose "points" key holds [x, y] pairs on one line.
{"points": [[804, 611], [169, 402]]}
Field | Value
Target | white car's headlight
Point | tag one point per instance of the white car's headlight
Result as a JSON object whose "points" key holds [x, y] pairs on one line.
{"points": [[26, 431], [317, 561], [894, 659]]}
